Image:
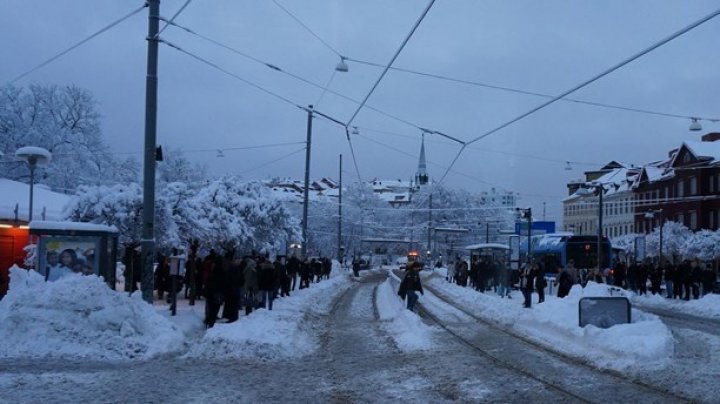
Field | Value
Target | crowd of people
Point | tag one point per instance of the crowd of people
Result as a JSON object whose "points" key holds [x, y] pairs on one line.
{"points": [[689, 279], [229, 282]]}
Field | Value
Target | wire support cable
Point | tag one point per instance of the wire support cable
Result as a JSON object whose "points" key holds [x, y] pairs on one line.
{"points": [[280, 6], [283, 157], [231, 74], [278, 69], [352, 153], [397, 53], [584, 84], [603, 74], [177, 13], [75, 46]]}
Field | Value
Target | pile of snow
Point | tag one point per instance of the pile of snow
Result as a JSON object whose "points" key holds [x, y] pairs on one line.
{"points": [[80, 317], [406, 328], [286, 331], [706, 306], [646, 341]]}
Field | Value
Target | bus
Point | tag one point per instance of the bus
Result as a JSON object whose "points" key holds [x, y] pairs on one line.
{"points": [[557, 249]]}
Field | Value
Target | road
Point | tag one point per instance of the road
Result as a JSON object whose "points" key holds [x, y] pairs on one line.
{"points": [[357, 362]]}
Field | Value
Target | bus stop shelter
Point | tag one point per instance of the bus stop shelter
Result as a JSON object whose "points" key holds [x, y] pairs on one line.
{"points": [[85, 248]]}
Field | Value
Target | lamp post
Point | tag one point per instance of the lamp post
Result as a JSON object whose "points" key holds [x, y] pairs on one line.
{"points": [[526, 213], [651, 215], [34, 156]]}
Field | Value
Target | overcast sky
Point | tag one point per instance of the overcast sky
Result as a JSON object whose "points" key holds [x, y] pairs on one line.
{"points": [[543, 47]]}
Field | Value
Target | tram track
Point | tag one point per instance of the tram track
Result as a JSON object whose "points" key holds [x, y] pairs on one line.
{"points": [[616, 378]]}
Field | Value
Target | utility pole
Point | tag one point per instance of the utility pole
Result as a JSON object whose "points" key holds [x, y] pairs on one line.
{"points": [[307, 182], [151, 82], [429, 222], [600, 192], [339, 247]]}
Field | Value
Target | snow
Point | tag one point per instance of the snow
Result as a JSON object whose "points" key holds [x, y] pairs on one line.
{"points": [[404, 326], [645, 342], [18, 193], [706, 306], [43, 156], [286, 331], [80, 317], [53, 225]]}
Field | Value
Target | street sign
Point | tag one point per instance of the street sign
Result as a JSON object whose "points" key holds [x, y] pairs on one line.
{"points": [[604, 312]]}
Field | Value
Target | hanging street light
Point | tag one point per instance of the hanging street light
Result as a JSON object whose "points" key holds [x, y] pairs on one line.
{"points": [[342, 66], [695, 125]]}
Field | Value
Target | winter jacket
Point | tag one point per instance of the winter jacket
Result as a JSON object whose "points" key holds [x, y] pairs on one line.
{"points": [[250, 275], [266, 276]]}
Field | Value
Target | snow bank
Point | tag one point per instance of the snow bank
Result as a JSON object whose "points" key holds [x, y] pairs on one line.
{"points": [[287, 331], [646, 341], [706, 306], [405, 327], [80, 317]]}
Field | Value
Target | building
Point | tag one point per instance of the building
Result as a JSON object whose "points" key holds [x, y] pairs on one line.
{"points": [[685, 188], [581, 207]]}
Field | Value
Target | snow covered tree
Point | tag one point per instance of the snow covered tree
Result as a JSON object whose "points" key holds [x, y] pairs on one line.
{"points": [[63, 120], [675, 236], [175, 167], [704, 244]]}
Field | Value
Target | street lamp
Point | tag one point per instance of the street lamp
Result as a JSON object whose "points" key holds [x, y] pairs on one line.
{"points": [[527, 214], [34, 156], [651, 215]]}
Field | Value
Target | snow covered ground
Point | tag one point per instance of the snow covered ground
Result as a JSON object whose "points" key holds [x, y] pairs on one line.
{"points": [[283, 332], [79, 317]]}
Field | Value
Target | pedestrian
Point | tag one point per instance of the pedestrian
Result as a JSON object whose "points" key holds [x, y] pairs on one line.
{"points": [[564, 282], [527, 283], [293, 267], [540, 284], [250, 277], [410, 285], [356, 267], [233, 284], [267, 283], [214, 290]]}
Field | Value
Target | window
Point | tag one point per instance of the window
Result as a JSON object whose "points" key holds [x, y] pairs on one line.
{"points": [[711, 220], [667, 192], [711, 183], [680, 218], [680, 189], [693, 185], [693, 220]]}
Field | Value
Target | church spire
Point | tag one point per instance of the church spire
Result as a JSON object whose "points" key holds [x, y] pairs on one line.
{"points": [[421, 177]]}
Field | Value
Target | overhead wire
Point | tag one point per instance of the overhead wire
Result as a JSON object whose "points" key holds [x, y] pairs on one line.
{"points": [[177, 13], [533, 93], [280, 6], [78, 44], [392, 60], [279, 69], [273, 161], [587, 82]]}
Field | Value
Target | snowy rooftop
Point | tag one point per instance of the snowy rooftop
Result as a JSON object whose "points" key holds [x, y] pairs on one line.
{"points": [[14, 192]]}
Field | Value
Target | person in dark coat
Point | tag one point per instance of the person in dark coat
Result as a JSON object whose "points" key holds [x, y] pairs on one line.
{"points": [[251, 284], [281, 275], [214, 289], [233, 283], [540, 284], [293, 268], [266, 282], [411, 284], [527, 283], [162, 276], [564, 282]]}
